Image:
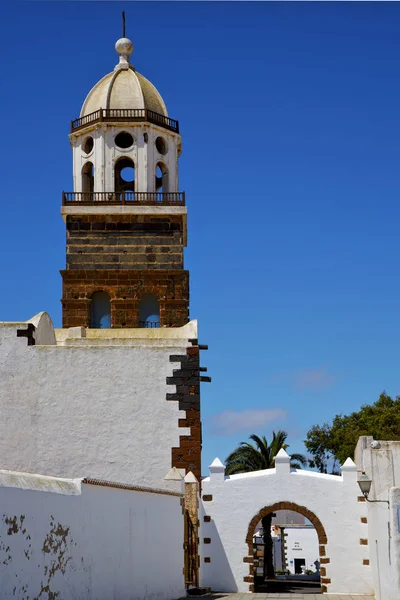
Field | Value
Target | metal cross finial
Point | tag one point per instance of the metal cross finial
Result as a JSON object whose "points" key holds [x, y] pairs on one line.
{"points": [[123, 24]]}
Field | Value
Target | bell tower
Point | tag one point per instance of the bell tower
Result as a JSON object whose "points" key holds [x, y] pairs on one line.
{"points": [[126, 225]]}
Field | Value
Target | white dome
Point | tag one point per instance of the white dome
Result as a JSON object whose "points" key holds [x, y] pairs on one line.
{"points": [[124, 88]]}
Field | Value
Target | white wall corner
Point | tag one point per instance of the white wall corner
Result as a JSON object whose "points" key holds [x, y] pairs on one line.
{"points": [[44, 330], [282, 462], [349, 470], [217, 471], [191, 478], [76, 333], [174, 480], [364, 443]]}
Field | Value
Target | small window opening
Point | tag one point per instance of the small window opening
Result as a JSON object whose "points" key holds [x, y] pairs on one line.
{"points": [[124, 175], [124, 140], [88, 145], [161, 145], [162, 178], [100, 317], [149, 311], [88, 178]]}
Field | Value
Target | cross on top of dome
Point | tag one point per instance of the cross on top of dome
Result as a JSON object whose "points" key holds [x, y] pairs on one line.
{"points": [[124, 47]]}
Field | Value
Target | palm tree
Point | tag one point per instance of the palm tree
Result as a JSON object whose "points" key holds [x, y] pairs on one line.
{"points": [[246, 458]]}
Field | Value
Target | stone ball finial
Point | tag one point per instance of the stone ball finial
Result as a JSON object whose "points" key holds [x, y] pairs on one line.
{"points": [[124, 46]]}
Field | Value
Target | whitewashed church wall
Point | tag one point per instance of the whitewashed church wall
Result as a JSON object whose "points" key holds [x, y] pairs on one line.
{"points": [[301, 542], [98, 411], [239, 498], [89, 541]]}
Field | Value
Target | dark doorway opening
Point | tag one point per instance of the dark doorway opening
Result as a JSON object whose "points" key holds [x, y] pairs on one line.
{"points": [[298, 563]]}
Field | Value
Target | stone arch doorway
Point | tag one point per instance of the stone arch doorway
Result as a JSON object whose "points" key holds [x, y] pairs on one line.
{"points": [[321, 533]]}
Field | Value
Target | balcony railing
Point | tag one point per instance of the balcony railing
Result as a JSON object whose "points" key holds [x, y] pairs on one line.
{"points": [[125, 115], [124, 198], [149, 324]]}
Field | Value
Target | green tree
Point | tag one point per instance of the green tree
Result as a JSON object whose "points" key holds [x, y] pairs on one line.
{"points": [[331, 444], [246, 458]]}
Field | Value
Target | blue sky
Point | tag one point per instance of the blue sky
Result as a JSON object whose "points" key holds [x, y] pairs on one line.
{"points": [[289, 114]]}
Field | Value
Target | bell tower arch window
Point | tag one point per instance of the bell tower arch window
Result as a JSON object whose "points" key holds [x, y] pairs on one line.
{"points": [[124, 175], [149, 311], [162, 178], [100, 311], [88, 178]]}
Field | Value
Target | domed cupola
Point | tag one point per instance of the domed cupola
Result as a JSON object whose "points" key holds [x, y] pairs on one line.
{"points": [[124, 140], [124, 88]]}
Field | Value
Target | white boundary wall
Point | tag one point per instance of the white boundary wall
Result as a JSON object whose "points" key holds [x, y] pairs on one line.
{"points": [[88, 541], [237, 499]]}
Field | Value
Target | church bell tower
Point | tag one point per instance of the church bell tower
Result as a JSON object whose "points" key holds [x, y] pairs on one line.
{"points": [[126, 218]]}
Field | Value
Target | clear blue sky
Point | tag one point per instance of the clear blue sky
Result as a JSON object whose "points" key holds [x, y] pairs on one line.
{"points": [[289, 114]]}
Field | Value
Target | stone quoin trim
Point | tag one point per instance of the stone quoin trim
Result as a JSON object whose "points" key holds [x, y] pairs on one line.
{"points": [[322, 537], [28, 333], [187, 381]]}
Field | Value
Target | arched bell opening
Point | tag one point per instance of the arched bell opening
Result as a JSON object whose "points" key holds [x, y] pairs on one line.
{"points": [[149, 311], [270, 560], [100, 311], [88, 178], [124, 175], [162, 178]]}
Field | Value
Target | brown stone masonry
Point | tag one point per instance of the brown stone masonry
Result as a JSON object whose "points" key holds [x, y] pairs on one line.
{"points": [[125, 288], [124, 242], [187, 379]]}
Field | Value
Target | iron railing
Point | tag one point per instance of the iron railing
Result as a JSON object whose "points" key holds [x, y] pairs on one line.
{"points": [[149, 324], [125, 115], [124, 198]]}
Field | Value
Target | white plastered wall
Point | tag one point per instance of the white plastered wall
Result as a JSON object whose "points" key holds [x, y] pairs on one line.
{"points": [[239, 498], [145, 156], [301, 542], [67, 539], [93, 406], [380, 460]]}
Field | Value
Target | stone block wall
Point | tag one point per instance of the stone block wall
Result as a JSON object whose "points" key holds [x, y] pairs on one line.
{"points": [[124, 242], [125, 288]]}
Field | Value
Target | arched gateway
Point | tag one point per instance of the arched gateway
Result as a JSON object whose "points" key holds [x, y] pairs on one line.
{"points": [[322, 537], [232, 507]]}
